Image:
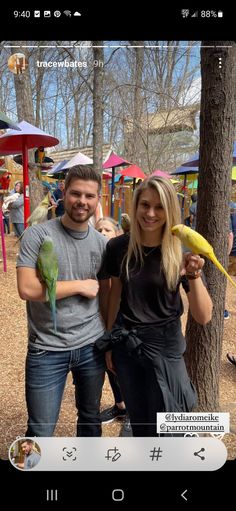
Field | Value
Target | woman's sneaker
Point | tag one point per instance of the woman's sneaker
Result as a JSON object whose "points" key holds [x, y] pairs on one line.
{"points": [[110, 414]]}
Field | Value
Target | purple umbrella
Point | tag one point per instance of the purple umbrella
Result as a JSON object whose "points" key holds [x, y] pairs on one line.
{"points": [[15, 142], [58, 169], [111, 163], [184, 170], [194, 162]]}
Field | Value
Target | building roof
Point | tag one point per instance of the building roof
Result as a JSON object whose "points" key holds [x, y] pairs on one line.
{"points": [[168, 121], [67, 154]]}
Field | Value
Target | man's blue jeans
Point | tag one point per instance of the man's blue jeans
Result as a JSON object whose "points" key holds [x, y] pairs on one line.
{"points": [[46, 373]]}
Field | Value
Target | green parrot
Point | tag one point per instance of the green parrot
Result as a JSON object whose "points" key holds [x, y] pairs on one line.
{"points": [[47, 264]]}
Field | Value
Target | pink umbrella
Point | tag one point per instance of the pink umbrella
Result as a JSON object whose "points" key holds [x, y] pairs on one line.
{"points": [[160, 173], [14, 142], [111, 163]]}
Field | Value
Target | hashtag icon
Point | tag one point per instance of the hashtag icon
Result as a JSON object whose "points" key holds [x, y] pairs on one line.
{"points": [[155, 454]]}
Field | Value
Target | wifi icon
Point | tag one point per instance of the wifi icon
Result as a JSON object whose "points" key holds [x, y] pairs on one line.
{"points": [[67, 13]]}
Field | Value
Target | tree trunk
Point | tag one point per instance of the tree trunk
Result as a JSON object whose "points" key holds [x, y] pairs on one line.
{"points": [[136, 143], [98, 55], [25, 111], [217, 132]]}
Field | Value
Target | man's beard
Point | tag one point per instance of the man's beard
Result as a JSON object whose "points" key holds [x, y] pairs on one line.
{"points": [[78, 220]]}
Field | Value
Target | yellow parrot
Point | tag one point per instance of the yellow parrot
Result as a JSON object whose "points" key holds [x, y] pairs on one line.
{"points": [[198, 245]]}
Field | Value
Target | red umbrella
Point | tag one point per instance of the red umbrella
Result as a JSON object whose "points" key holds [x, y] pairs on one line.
{"points": [[14, 142], [133, 171], [111, 163]]}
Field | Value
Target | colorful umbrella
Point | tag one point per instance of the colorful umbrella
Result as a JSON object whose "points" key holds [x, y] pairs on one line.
{"points": [[133, 171], [15, 142], [6, 123], [78, 159], [160, 173], [111, 163], [57, 169], [194, 162]]}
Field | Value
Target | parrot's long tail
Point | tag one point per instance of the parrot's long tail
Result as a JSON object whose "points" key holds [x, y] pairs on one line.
{"points": [[52, 300], [213, 258], [54, 316]]}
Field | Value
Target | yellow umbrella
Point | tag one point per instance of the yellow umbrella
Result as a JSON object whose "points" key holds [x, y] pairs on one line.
{"points": [[233, 175]]}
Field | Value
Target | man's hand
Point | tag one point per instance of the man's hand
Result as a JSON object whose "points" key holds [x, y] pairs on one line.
{"points": [[88, 288]]}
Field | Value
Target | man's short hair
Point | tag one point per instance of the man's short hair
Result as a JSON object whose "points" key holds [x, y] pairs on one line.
{"points": [[84, 172], [27, 441]]}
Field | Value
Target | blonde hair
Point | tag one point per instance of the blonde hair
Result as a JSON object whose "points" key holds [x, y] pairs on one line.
{"points": [[171, 245], [115, 226]]}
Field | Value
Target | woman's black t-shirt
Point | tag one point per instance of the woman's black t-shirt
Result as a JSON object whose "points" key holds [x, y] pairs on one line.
{"points": [[145, 299]]}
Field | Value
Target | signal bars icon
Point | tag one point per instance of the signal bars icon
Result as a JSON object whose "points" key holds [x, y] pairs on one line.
{"points": [[194, 15]]}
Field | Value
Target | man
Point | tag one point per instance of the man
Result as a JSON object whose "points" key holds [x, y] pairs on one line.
{"points": [[57, 199], [82, 287], [31, 457], [193, 210]]}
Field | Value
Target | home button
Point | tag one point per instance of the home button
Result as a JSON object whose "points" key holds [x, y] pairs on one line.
{"points": [[118, 495]]}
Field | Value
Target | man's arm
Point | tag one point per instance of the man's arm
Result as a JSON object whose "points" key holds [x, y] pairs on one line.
{"points": [[31, 288]]}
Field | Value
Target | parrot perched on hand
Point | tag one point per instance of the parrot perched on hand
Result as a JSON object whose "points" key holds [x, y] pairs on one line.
{"points": [[198, 245], [47, 264]]}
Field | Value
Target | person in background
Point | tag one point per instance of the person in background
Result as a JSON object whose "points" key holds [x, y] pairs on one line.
{"points": [[110, 228], [16, 210], [193, 210], [232, 254], [98, 214], [6, 222], [230, 246], [57, 199]]}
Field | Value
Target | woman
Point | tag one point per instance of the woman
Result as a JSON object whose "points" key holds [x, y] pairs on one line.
{"points": [[16, 209], [147, 268], [110, 228]]}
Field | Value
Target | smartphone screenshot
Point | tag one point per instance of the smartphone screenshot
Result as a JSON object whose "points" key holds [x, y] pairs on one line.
{"points": [[117, 260]]}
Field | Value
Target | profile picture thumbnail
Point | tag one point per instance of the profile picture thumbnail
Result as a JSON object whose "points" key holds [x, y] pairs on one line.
{"points": [[18, 63], [24, 454]]}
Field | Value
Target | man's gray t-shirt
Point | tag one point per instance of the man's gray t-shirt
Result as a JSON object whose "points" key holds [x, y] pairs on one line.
{"points": [[79, 322], [31, 460]]}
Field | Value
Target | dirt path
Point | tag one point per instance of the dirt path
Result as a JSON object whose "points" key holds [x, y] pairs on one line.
{"points": [[13, 330]]}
